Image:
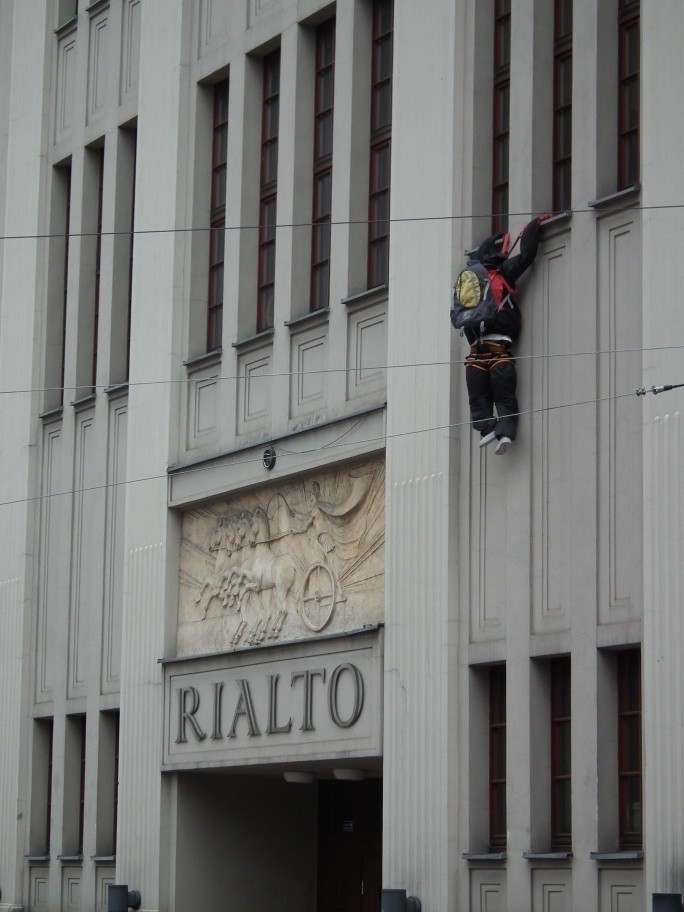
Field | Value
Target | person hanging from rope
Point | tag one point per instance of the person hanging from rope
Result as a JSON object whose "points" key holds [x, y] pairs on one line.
{"points": [[485, 309]]}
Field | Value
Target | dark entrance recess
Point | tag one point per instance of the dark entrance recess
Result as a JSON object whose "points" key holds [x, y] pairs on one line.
{"points": [[349, 846]]}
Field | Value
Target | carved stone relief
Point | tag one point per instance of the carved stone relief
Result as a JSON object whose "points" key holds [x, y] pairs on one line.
{"points": [[284, 562]]}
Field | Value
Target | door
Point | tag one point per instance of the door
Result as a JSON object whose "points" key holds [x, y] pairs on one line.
{"points": [[349, 846]]}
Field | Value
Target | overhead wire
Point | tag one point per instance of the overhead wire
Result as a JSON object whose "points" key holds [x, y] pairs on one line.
{"points": [[336, 370], [395, 220], [231, 464]]}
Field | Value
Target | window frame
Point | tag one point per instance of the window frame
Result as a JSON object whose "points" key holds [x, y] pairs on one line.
{"points": [[268, 191], [81, 784], [98, 262], [65, 294], [629, 674], [129, 306], [501, 103], [115, 804], [497, 757], [380, 143], [628, 133], [48, 795], [561, 736], [562, 107], [217, 215], [321, 218]]}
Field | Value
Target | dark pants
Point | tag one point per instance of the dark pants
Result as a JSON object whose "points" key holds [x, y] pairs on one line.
{"points": [[491, 380]]}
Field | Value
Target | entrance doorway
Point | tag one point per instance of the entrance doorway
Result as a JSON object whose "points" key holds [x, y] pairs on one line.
{"points": [[349, 845]]}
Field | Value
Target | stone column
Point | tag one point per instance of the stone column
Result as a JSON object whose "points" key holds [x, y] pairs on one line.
{"points": [[151, 543], [420, 718], [22, 26], [662, 136]]}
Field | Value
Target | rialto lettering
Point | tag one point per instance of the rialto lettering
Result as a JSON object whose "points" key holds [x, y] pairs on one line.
{"points": [[236, 702]]}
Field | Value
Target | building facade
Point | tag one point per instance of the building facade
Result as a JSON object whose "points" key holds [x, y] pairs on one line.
{"points": [[275, 633]]}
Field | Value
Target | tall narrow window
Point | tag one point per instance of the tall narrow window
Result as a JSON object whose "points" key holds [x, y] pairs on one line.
{"points": [[497, 756], [129, 307], [501, 124], [98, 261], [81, 784], [270, 115], [48, 785], [66, 279], [629, 747], [115, 797], [562, 104], [322, 165], [217, 216], [561, 808], [381, 142], [628, 93]]}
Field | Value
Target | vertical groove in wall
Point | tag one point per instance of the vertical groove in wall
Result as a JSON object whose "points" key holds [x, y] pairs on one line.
{"points": [[141, 721], [416, 706], [11, 654], [663, 677]]}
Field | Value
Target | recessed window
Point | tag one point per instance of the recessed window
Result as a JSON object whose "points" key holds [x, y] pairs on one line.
{"points": [[268, 208], [322, 165], [629, 748], [562, 104], [217, 216], [67, 228], [98, 263], [129, 307], [561, 804], [628, 92], [41, 787], [81, 782], [497, 756], [381, 142], [501, 118], [67, 10]]}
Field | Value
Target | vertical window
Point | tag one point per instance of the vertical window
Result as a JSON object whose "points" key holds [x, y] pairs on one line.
{"points": [[115, 797], [217, 216], [48, 785], [629, 747], [98, 260], [66, 280], [628, 93], [81, 783], [501, 124], [129, 307], [497, 756], [561, 807], [322, 165], [562, 104], [67, 10], [381, 142], [270, 113]]}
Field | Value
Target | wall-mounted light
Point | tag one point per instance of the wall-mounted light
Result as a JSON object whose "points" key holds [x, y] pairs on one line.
{"points": [[269, 458], [299, 776], [349, 774], [121, 899], [398, 901]]}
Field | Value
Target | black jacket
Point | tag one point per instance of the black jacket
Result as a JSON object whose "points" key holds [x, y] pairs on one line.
{"points": [[508, 320]]}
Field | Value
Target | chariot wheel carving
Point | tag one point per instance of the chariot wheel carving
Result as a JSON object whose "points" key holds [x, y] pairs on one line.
{"points": [[319, 594]]}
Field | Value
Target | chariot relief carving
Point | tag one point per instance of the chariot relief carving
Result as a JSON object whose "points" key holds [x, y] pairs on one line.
{"points": [[284, 562]]}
